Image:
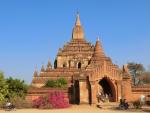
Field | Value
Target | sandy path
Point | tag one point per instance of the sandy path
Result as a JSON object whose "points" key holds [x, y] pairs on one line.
{"points": [[73, 109]]}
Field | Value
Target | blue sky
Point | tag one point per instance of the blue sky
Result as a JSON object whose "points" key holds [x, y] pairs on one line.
{"points": [[32, 31]]}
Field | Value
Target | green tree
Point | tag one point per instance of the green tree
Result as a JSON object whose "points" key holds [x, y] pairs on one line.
{"points": [[16, 88], [3, 87], [135, 70]]}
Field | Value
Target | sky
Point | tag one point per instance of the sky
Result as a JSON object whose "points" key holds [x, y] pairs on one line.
{"points": [[32, 31]]}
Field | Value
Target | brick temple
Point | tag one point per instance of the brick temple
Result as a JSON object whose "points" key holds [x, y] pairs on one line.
{"points": [[88, 71]]}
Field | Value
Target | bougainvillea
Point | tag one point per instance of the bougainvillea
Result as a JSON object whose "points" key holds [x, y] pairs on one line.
{"points": [[55, 99]]}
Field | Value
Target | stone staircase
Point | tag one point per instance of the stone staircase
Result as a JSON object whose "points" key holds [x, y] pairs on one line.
{"points": [[108, 105]]}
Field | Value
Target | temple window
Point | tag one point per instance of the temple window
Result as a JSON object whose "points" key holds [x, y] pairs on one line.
{"points": [[55, 64], [64, 65], [89, 62], [79, 65], [69, 63]]}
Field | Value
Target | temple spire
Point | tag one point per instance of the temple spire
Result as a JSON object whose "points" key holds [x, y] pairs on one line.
{"points": [[49, 66], [42, 68], [78, 23], [98, 51], [98, 54], [77, 33], [98, 38], [35, 72]]}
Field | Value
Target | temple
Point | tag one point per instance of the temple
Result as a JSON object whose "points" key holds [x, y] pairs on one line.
{"points": [[88, 71]]}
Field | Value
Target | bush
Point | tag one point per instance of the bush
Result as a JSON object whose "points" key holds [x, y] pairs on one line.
{"points": [[50, 83], [21, 103], [41, 102], [16, 88], [54, 99], [13, 90], [18, 102], [2, 103], [59, 83], [3, 87]]}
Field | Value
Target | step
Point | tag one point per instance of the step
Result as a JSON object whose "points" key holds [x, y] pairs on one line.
{"points": [[107, 105]]}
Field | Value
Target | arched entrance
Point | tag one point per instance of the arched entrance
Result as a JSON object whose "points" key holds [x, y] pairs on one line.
{"points": [[108, 88], [76, 92]]}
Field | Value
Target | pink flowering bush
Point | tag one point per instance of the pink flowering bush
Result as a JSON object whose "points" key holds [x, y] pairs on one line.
{"points": [[55, 99], [40, 102]]}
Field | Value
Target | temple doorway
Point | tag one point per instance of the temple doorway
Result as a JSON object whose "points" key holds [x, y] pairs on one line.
{"points": [[108, 89], [76, 92]]}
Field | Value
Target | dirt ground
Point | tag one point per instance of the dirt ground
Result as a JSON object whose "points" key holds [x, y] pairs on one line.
{"points": [[77, 109]]}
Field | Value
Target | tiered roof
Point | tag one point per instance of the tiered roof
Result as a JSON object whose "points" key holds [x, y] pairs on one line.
{"points": [[78, 44], [98, 54], [77, 47]]}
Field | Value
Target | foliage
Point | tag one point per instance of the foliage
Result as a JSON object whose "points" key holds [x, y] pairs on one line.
{"points": [[50, 83], [2, 103], [40, 102], [20, 102], [59, 83], [135, 70], [55, 99], [3, 87], [13, 90], [139, 75], [145, 78], [16, 88]]}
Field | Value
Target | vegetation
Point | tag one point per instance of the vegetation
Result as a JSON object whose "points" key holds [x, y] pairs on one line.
{"points": [[139, 75], [16, 88], [13, 90], [136, 70], [50, 83], [59, 83], [3, 87], [145, 78], [55, 99]]}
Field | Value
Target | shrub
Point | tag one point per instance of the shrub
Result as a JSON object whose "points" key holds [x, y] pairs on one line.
{"points": [[3, 87], [50, 83], [41, 102], [59, 83], [2, 103], [58, 100], [54, 99], [20, 103], [13, 90]]}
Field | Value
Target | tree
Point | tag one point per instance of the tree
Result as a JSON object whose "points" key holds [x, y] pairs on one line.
{"points": [[3, 87], [16, 88], [135, 70], [145, 78]]}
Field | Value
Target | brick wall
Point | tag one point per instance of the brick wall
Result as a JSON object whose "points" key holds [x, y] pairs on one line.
{"points": [[34, 93]]}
